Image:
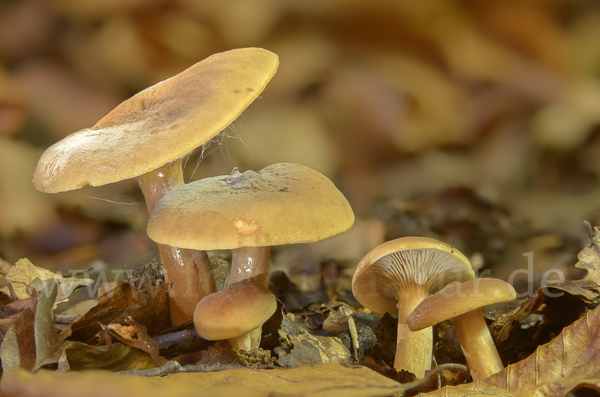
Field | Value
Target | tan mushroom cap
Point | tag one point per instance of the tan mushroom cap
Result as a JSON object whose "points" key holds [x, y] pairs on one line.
{"points": [[283, 203], [159, 124], [234, 311], [390, 267], [460, 298]]}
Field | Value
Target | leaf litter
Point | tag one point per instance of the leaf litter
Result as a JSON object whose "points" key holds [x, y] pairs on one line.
{"points": [[121, 329]]}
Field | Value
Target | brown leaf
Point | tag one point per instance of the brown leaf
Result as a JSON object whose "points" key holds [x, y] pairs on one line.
{"points": [[307, 349], [79, 356], [119, 299], [314, 381], [27, 280], [589, 259], [46, 337], [18, 346], [135, 335], [586, 289], [570, 359]]}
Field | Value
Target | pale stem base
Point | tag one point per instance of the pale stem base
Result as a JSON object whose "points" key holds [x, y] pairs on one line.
{"points": [[249, 341], [413, 349], [188, 271], [477, 345]]}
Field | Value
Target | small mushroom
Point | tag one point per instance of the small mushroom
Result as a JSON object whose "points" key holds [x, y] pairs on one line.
{"points": [[249, 212], [396, 276], [146, 138], [235, 314], [462, 304]]}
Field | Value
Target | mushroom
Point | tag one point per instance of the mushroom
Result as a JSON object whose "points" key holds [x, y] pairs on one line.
{"points": [[147, 136], [235, 314], [396, 276], [248, 212], [462, 304]]}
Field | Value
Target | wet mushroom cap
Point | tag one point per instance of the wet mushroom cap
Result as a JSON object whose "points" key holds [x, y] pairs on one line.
{"points": [[384, 271], [234, 311], [284, 203], [159, 124], [460, 298]]}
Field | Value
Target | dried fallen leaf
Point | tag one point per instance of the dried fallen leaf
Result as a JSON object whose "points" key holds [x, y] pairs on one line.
{"points": [[27, 280], [18, 346], [46, 337], [569, 360], [589, 259], [317, 381], [79, 356], [135, 335], [120, 299]]}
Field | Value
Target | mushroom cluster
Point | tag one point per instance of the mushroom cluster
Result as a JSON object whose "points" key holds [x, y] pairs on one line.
{"points": [[248, 213], [424, 281], [396, 276], [147, 136]]}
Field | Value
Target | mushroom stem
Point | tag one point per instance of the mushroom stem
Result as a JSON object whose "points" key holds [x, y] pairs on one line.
{"points": [[477, 344], [155, 184], [249, 341], [187, 270], [413, 349], [250, 264]]}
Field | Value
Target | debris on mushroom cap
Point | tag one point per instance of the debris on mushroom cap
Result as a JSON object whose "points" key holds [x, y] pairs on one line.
{"points": [[385, 270], [235, 311], [460, 298], [283, 203], [159, 124]]}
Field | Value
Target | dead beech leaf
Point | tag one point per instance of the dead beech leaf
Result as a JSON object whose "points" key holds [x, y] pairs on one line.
{"points": [[27, 280], [570, 359], [315, 381], [79, 356], [18, 347], [589, 259], [46, 337], [586, 290], [135, 335], [119, 299], [307, 349]]}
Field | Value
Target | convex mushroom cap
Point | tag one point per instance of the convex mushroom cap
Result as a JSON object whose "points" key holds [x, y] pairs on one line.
{"points": [[459, 298], [159, 124], [461, 303], [394, 278], [235, 312], [283, 203]]}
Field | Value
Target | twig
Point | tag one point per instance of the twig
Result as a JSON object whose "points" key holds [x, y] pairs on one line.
{"points": [[79, 273], [173, 367]]}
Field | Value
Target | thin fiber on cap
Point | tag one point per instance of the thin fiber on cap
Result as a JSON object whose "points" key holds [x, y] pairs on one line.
{"points": [[284, 203], [392, 266], [159, 124], [460, 298], [234, 311]]}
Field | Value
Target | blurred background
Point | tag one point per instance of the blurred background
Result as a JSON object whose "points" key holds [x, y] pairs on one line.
{"points": [[475, 122]]}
